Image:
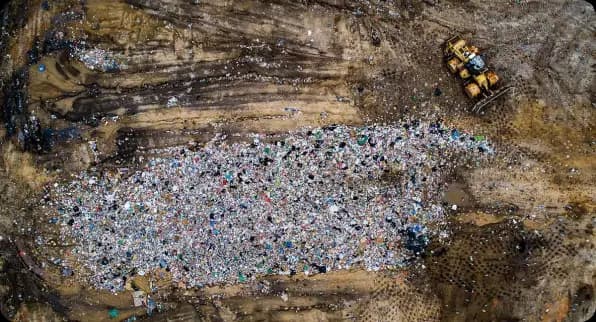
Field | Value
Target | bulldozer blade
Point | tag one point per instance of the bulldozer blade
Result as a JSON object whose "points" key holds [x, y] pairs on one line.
{"points": [[487, 100]]}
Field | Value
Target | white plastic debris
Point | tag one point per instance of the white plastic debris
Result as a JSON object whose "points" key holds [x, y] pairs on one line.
{"points": [[172, 102], [138, 298]]}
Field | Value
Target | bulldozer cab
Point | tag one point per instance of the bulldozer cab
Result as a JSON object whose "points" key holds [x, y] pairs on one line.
{"points": [[476, 64]]}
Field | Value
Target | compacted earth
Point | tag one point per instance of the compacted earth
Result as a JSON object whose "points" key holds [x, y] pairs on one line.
{"points": [[181, 160]]}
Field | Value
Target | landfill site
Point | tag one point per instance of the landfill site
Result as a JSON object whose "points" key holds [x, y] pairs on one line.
{"points": [[285, 160]]}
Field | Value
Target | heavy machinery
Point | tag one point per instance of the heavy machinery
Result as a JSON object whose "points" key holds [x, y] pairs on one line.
{"points": [[479, 82]]}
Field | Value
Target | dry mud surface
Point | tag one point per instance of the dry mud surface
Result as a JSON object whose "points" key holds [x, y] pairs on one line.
{"points": [[178, 71]]}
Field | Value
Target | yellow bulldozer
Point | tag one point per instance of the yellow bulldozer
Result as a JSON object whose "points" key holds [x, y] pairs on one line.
{"points": [[479, 82]]}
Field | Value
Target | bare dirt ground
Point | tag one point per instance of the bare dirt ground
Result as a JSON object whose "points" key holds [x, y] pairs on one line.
{"points": [[523, 241]]}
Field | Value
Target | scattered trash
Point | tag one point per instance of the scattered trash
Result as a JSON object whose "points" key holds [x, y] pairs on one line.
{"points": [[113, 313], [41, 68], [172, 102], [479, 138], [138, 298], [342, 99], [416, 239], [66, 271], [151, 306], [241, 278], [95, 58], [362, 139], [292, 110]]}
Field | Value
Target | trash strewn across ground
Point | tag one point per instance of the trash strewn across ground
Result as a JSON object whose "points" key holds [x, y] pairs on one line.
{"points": [[321, 199]]}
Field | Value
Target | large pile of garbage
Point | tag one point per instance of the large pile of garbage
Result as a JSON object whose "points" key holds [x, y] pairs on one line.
{"points": [[316, 200]]}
